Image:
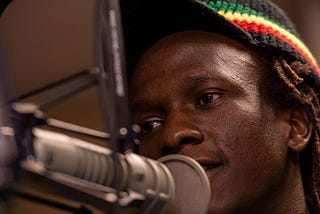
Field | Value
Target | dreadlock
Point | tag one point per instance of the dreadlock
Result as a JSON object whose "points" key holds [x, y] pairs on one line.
{"points": [[295, 78]]}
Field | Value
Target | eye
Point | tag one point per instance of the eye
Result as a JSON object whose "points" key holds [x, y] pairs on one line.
{"points": [[208, 98], [148, 126]]}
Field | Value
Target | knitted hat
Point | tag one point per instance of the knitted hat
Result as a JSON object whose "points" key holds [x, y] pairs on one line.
{"points": [[258, 24]]}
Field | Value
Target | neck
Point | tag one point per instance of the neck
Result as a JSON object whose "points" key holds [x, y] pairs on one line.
{"points": [[289, 198]]}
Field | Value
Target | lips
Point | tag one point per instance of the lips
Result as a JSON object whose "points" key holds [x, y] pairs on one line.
{"points": [[209, 165]]}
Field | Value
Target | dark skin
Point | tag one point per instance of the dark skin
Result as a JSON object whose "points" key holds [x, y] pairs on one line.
{"points": [[199, 94]]}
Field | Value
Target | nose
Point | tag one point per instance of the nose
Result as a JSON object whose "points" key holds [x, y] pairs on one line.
{"points": [[179, 134]]}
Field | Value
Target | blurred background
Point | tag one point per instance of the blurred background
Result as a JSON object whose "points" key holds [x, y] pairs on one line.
{"points": [[306, 15], [29, 28]]}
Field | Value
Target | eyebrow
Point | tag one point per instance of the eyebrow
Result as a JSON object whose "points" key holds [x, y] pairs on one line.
{"points": [[190, 82], [193, 81], [141, 104], [206, 77], [198, 78]]}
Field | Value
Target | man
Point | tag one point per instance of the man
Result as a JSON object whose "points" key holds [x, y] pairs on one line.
{"points": [[230, 84]]}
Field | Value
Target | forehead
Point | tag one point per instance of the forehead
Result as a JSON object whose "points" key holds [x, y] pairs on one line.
{"points": [[196, 55]]}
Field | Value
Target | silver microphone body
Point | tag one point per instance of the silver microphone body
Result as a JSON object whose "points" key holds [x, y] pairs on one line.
{"points": [[166, 185]]}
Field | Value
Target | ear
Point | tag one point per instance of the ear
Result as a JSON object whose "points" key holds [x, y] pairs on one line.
{"points": [[301, 128]]}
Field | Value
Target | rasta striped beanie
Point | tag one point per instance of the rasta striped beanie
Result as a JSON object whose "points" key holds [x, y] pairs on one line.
{"points": [[266, 25], [258, 24]]}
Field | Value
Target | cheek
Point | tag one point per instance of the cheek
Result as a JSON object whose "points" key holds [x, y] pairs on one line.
{"points": [[252, 130], [254, 138], [251, 142], [150, 148], [254, 153]]}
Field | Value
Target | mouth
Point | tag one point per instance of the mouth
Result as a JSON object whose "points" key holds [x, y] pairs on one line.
{"points": [[209, 166]]}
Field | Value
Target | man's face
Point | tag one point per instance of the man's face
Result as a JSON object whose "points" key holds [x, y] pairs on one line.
{"points": [[199, 94]]}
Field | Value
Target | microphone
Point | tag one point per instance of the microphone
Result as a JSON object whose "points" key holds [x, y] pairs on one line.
{"points": [[173, 184]]}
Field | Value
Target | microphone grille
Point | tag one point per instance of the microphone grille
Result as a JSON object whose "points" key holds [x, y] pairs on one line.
{"points": [[193, 192]]}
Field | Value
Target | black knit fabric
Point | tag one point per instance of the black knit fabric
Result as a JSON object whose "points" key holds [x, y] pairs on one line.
{"points": [[146, 21]]}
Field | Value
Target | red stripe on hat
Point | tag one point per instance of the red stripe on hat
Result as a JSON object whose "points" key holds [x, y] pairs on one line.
{"points": [[269, 30]]}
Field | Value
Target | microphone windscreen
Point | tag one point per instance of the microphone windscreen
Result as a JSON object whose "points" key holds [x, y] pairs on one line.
{"points": [[193, 193]]}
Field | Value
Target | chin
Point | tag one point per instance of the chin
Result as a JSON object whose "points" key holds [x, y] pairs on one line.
{"points": [[221, 208]]}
